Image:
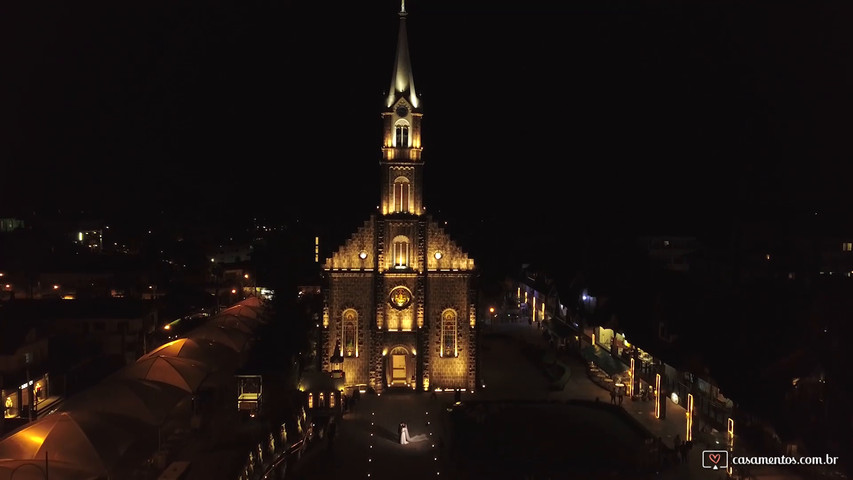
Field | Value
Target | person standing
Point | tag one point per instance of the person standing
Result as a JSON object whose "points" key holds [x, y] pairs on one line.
{"points": [[677, 445], [333, 427]]}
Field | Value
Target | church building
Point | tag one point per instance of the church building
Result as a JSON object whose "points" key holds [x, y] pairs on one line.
{"points": [[400, 302]]}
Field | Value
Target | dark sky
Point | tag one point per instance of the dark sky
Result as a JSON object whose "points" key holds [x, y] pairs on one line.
{"points": [[644, 112]]}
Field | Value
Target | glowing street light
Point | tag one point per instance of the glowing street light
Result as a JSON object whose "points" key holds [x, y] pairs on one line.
{"points": [[689, 434]]}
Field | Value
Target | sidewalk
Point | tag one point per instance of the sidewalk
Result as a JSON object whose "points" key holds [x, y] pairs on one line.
{"points": [[581, 387], [45, 406]]}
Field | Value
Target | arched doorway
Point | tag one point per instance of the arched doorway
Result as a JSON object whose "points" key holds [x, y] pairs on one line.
{"points": [[398, 360]]}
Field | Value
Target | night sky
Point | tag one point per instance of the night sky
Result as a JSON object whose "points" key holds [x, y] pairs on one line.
{"points": [[663, 115]]}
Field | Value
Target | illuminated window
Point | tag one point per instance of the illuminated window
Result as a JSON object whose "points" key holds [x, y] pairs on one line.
{"points": [[322, 402], [401, 135], [350, 321], [332, 399], [401, 194], [310, 400], [448, 333], [847, 246], [401, 250]]}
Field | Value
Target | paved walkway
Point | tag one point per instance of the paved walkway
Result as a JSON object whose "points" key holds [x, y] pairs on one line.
{"points": [[367, 445], [580, 386]]}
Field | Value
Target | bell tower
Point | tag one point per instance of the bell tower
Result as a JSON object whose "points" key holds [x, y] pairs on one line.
{"points": [[401, 186]]}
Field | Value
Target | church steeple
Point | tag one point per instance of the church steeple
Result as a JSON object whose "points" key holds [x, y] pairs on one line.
{"points": [[402, 81], [402, 168]]}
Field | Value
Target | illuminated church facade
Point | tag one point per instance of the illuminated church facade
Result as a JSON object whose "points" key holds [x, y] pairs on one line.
{"points": [[400, 305]]}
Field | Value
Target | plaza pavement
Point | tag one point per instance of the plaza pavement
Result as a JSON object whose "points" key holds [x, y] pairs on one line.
{"points": [[366, 444], [580, 386]]}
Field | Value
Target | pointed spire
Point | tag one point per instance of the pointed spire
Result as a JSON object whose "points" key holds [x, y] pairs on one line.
{"points": [[402, 80]]}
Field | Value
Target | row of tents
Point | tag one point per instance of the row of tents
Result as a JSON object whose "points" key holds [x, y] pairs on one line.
{"points": [[117, 424]]}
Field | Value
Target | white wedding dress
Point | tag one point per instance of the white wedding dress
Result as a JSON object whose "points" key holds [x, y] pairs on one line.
{"points": [[405, 438]]}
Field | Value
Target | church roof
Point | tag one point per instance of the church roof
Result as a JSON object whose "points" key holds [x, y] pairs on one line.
{"points": [[402, 80]]}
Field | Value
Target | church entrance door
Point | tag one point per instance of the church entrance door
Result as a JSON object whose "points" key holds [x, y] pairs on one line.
{"points": [[398, 367]]}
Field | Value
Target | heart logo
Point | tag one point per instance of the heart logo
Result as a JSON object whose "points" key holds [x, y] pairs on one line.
{"points": [[714, 457]]}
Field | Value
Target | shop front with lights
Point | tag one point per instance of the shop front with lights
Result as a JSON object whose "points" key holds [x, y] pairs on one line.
{"points": [[18, 401]]}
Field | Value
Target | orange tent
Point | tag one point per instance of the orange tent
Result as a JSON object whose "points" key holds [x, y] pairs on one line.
{"points": [[242, 311], [231, 338], [179, 372], [243, 324], [251, 302], [215, 355], [146, 401], [93, 442], [34, 470]]}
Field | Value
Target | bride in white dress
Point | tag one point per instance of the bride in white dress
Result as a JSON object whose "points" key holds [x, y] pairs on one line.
{"points": [[405, 438]]}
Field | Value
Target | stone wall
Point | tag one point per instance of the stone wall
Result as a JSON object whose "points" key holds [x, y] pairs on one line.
{"points": [[350, 290], [449, 290]]}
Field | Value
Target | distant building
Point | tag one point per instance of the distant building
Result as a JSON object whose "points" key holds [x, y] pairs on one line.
{"points": [[671, 253], [231, 254], [92, 239], [10, 224], [56, 344]]}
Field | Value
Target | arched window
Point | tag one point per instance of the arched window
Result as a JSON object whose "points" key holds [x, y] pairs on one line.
{"points": [[310, 400], [401, 251], [401, 134], [350, 331], [448, 333], [402, 190]]}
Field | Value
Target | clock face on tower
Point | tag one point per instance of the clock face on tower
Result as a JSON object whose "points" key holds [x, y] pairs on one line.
{"points": [[402, 111]]}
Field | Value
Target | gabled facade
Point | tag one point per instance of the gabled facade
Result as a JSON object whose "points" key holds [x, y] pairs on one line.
{"points": [[400, 300]]}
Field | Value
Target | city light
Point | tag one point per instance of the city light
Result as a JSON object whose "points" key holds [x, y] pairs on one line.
{"points": [[657, 395]]}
